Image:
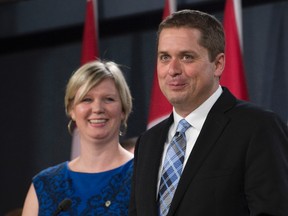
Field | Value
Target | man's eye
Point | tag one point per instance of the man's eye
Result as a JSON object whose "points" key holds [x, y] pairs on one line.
{"points": [[187, 58], [164, 57]]}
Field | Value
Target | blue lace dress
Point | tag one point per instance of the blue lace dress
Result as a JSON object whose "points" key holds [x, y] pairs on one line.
{"points": [[105, 193]]}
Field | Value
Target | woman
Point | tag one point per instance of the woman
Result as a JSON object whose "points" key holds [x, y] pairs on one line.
{"points": [[98, 101]]}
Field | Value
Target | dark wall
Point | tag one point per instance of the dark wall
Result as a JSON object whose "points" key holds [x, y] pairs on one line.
{"points": [[40, 46]]}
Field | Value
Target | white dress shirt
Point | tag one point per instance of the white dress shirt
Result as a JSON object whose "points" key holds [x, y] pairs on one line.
{"points": [[196, 119]]}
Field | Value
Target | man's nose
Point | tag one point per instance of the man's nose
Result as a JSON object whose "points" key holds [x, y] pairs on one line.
{"points": [[174, 67]]}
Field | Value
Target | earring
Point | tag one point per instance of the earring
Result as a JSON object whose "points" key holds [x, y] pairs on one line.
{"points": [[71, 126], [123, 130]]}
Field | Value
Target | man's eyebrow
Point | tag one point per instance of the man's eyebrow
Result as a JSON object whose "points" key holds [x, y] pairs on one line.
{"points": [[162, 52]]}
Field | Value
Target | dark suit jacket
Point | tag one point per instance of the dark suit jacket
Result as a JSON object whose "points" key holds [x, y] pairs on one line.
{"points": [[238, 166]]}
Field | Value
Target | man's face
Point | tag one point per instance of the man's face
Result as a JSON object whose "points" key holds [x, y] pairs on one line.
{"points": [[186, 75]]}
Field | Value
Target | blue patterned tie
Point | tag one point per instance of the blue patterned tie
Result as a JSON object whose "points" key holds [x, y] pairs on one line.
{"points": [[172, 167]]}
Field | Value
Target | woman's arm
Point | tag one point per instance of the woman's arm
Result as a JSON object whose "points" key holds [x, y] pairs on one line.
{"points": [[31, 205]]}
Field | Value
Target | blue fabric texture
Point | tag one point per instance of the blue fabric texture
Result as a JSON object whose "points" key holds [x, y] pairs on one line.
{"points": [[172, 167], [105, 193]]}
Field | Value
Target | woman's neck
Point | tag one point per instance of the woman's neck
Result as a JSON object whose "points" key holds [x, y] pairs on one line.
{"points": [[93, 160]]}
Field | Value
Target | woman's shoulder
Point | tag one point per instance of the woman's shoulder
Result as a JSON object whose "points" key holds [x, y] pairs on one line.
{"points": [[128, 165], [124, 171], [52, 171]]}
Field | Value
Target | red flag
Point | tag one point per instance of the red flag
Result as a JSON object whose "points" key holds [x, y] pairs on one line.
{"points": [[160, 108], [90, 51], [233, 75], [90, 33]]}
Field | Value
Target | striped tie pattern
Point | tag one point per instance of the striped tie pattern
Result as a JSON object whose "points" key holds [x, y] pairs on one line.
{"points": [[172, 167]]}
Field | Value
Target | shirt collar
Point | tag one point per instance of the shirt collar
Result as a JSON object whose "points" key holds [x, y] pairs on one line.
{"points": [[197, 117]]}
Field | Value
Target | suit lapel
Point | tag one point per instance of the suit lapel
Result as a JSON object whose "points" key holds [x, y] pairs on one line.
{"points": [[152, 157], [214, 125]]}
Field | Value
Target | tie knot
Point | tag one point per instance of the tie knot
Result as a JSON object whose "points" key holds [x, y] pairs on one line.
{"points": [[183, 125]]}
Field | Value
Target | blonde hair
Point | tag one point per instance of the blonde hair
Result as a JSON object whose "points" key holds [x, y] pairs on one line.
{"points": [[90, 75]]}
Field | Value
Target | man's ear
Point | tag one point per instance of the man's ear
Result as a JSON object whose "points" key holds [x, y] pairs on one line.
{"points": [[219, 64]]}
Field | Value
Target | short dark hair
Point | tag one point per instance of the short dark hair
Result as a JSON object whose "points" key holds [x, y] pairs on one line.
{"points": [[212, 32]]}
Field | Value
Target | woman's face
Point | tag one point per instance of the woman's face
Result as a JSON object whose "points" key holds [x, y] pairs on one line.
{"points": [[99, 114]]}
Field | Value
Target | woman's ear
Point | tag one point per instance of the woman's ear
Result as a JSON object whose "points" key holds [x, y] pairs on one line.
{"points": [[72, 114], [122, 116]]}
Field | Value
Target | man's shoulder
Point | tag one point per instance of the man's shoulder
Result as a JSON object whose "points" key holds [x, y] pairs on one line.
{"points": [[164, 124]]}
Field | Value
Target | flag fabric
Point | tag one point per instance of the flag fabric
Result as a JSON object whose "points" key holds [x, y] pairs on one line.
{"points": [[233, 75], [90, 51], [160, 108]]}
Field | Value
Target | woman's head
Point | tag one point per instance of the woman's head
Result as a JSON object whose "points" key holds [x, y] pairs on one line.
{"points": [[90, 75]]}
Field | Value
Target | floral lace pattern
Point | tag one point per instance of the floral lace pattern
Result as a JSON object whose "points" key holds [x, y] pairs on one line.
{"points": [[55, 184]]}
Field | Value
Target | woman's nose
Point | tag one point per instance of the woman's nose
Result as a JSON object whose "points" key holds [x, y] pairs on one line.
{"points": [[97, 106]]}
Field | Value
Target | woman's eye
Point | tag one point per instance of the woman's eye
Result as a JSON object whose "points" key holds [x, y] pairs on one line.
{"points": [[86, 100], [109, 99]]}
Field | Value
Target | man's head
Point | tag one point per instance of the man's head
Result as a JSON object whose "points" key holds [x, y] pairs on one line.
{"points": [[212, 32], [190, 59]]}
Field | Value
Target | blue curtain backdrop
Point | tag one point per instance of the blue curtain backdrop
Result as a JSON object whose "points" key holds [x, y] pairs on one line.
{"points": [[266, 57]]}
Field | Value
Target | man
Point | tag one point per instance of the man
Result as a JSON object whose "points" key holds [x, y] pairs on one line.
{"points": [[236, 157]]}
